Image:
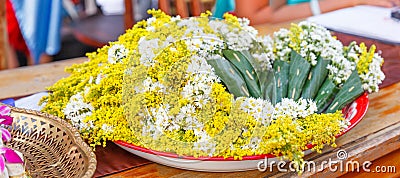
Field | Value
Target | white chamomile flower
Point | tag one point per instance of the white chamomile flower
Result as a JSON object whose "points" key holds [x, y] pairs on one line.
{"points": [[116, 53], [77, 110]]}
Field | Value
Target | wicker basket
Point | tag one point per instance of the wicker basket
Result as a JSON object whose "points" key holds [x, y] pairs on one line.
{"points": [[51, 146]]}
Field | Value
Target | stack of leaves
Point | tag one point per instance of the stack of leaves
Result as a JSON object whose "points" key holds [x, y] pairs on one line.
{"points": [[308, 63]]}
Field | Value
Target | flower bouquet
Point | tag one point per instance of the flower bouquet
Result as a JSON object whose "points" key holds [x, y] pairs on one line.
{"points": [[212, 88]]}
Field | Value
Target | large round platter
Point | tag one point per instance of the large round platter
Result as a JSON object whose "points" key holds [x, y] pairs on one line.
{"points": [[353, 112]]}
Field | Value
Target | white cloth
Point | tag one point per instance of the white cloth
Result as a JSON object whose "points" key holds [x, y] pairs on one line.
{"points": [[366, 21], [31, 102]]}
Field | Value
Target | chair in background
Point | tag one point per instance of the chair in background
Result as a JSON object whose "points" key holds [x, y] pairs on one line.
{"points": [[3, 35], [98, 30]]}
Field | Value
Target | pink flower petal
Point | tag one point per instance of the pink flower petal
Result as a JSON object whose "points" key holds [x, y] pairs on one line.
{"points": [[11, 156], [5, 135], [6, 120], [2, 164], [4, 110]]}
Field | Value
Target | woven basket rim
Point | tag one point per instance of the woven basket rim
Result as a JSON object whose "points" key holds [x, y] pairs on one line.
{"points": [[75, 136]]}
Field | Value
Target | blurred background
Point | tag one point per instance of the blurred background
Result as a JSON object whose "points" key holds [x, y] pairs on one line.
{"points": [[41, 31]]}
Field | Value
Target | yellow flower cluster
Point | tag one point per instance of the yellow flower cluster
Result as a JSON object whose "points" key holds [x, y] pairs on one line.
{"points": [[365, 58], [294, 36], [140, 100]]}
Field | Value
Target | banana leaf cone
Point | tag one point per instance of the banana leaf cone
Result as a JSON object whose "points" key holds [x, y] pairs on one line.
{"points": [[298, 72], [247, 71], [281, 70], [315, 78], [266, 78], [230, 76], [325, 94], [351, 90], [269, 87]]}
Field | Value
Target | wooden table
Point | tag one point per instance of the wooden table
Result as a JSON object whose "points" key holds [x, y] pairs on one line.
{"points": [[376, 138]]}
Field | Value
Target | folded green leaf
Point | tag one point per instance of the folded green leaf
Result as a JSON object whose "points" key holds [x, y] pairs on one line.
{"points": [[269, 87], [281, 69], [231, 77], [254, 63], [325, 95], [351, 90], [315, 78], [246, 69], [298, 72]]}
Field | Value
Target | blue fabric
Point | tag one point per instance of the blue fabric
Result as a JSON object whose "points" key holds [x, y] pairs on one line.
{"points": [[8, 101], [292, 2], [223, 6], [40, 24]]}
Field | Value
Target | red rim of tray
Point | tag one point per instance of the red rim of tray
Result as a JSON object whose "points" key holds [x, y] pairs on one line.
{"points": [[360, 105]]}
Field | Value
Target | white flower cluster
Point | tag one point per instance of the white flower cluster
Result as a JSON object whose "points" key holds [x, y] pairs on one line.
{"points": [[340, 70], [259, 109], [263, 111], [197, 39], [375, 76], [264, 56], [317, 40], [253, 144], [146, 49], [77, 110], [156, 121], [150, 86], [201, 78], [314, 39], [235, 38], [281, 44], [116, 53], [186, 119], [295, 109], [204, 45]]}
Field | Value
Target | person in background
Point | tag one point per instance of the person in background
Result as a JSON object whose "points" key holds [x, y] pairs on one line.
{"points": [[274, 11], [16, 42], [39, 22]]}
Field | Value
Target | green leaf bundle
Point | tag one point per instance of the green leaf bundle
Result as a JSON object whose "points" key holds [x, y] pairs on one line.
{"points": [[315, 78], [281, 69], [351, 90], [246, 69], [231, 77], [298, 72], [325, 94]]}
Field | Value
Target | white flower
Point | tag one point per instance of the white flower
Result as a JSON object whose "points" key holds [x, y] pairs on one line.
{"points": [[116, 53], [176, 18], [201, 77], [149, 86], [300, 109], [146, 49], [237, 38], [204, 143], [99, 78], [77, 110], [281, 44], [107, 128], [375, 76], [253, 144], [340, 69], [261, 110]]}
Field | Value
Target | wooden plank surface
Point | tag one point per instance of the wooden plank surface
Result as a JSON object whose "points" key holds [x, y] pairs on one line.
{"points": [[32, 79]]}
